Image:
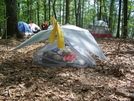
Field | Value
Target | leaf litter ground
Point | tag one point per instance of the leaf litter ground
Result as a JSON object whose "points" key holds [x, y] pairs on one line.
{"points": [[21, 80]]}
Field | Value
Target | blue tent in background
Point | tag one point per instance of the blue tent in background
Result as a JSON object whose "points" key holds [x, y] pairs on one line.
{"points": [[24, 29]]}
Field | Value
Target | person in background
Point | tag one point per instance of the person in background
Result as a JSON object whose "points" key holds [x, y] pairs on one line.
{"points": [[44, 25]]}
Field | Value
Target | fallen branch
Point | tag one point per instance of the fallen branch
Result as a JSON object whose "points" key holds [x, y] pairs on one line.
{"points": [[130, 80], [124, 94]]}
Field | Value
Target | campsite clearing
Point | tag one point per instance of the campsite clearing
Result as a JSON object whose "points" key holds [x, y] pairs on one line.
{"points": [[21, 80]]}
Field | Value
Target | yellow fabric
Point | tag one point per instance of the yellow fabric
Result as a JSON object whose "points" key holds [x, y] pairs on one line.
{"points": [[57, 34], [53, 20]]}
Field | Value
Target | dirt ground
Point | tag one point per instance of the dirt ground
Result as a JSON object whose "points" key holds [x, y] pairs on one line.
{"points": [[22, 80]]}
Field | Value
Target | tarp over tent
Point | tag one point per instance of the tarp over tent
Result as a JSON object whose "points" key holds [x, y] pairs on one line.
{"points": [[100, 29], [24, 29], [73, 35]]}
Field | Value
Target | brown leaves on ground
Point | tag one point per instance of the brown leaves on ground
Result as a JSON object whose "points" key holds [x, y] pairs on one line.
{"points": [[21, 80]]}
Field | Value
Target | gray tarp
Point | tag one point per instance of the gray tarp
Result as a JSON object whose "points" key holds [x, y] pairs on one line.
{"points": [[74, 34]]}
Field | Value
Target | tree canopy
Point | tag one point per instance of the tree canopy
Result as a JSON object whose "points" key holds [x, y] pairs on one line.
{"points": [[78, 12]]}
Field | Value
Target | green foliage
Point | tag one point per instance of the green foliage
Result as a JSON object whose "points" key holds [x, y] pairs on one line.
{"points": [[2, 17], [28, 12]]}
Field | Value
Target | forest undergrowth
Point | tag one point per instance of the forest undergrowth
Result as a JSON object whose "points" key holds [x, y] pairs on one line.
{"points": [[21, 80]]}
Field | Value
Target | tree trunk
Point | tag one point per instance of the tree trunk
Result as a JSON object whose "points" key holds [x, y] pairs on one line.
{"points": [[76, 13], [67, 11], [63, 18], [105, 18], [99, 17], [118, 27], [28, 11], [130, 8], [38, 14], [49, 10], [54, 9], [11, 17], [60, 12], [82, 19], [111, 15], [125, 18], [0, 30], [79, 12], [94, 12], [45, 15]]}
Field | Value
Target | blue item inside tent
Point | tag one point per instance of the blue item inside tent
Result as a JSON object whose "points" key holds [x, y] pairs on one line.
{"points": [[24, 27]]}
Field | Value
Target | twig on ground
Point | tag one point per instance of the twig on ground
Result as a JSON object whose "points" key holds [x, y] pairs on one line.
{"points": [[124, 94]]}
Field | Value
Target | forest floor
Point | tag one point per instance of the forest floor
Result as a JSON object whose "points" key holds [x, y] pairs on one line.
{"points": [[21, 80]]}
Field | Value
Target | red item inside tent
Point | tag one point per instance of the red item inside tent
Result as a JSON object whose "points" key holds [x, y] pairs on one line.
{"points": [[70, 57]]}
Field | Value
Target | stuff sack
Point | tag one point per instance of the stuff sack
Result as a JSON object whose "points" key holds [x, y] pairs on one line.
{"points": [[70, 56]]}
